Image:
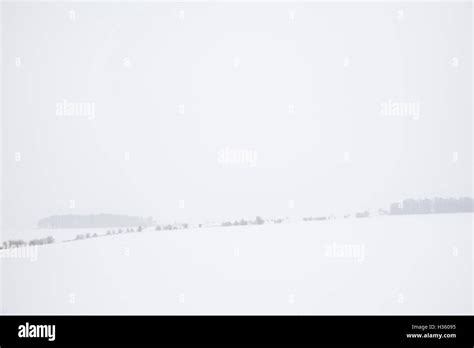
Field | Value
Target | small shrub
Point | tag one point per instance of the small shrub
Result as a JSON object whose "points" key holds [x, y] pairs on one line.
{"points": [[363, 214]]}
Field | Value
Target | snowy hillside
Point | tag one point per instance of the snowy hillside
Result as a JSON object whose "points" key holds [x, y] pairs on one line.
{"points": [[387, 264]]}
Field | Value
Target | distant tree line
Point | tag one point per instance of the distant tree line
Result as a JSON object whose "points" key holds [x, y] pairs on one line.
{"points": [[18, 243], [169, 227], [86, 236], [258, 221], [126, 224], [317, 218], [42, 241], [94, 221], [432, 206]]}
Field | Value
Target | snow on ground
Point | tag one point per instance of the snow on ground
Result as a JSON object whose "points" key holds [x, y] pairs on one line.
{"points": [[388, 264]]}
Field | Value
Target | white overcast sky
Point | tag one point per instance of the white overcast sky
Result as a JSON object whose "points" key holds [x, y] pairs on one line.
{"points": [[300, 84]]}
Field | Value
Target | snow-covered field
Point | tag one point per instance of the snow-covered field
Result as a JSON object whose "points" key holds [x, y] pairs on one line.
{"points": [[393, 264]]}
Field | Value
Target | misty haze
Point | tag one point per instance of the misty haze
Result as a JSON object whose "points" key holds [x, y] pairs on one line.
{"points": [[221, 158]]}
